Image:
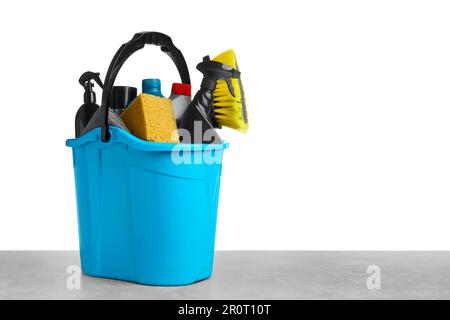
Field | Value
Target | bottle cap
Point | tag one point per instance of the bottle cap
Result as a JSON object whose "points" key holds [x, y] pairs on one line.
{"points": [[151, 84], [182, 89]]}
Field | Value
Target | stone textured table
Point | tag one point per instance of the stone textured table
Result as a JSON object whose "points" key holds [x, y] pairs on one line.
{"points": [[243, 275]]}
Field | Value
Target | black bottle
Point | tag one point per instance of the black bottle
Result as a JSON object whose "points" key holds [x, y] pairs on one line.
{"points": [[199, 119], [121, 97], [87, 110]]}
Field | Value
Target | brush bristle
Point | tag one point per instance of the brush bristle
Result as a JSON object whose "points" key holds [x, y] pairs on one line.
{"points": [[230, 111]]}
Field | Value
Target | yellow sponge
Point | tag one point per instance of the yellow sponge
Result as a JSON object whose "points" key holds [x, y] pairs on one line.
{"points": [[151, 118]]}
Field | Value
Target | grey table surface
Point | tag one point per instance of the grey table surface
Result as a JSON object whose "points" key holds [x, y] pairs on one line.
{"points": [[243, 275]]}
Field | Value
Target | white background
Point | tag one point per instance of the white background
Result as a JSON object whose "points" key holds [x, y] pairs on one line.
{"points": [[349, 106]]}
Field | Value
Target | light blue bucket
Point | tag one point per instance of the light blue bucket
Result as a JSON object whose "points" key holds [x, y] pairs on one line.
{"points": [[146, 213]]}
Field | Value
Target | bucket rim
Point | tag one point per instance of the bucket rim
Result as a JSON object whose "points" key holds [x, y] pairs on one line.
{"points": [[121, 136]]}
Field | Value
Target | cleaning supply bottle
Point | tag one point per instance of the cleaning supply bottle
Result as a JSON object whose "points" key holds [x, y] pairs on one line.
{"points": [[199, 119], [152, 86], [89, 115], [181, 98], [122, 97], [87, 110]]}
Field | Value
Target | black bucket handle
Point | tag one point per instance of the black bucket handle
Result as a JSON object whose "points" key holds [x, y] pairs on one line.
{"points": [[125, 51]]}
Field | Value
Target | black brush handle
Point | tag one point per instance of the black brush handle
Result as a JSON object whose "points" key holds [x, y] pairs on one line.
{"points": [[125, 51]]}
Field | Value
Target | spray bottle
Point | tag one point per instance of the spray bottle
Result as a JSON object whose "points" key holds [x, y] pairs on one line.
{"points": [[88, 116], [87, 110], [199, 119]]}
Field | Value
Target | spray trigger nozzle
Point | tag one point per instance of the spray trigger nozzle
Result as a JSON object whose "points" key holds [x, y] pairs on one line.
{"points": [[88, 76], [86, 82], [214, 71]]}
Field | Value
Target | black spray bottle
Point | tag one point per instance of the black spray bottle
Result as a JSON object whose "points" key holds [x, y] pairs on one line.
{"points": [[199, 119], [87, 110]]}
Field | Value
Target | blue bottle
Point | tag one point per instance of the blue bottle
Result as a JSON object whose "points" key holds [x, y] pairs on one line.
{"points": [[152, 86]]}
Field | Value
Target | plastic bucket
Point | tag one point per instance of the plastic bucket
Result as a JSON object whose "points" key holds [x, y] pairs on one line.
{"points": [[143, 214]]}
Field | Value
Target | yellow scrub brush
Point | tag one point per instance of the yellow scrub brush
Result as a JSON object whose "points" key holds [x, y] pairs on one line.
{"points": [[219, 102], [230, 111]]}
